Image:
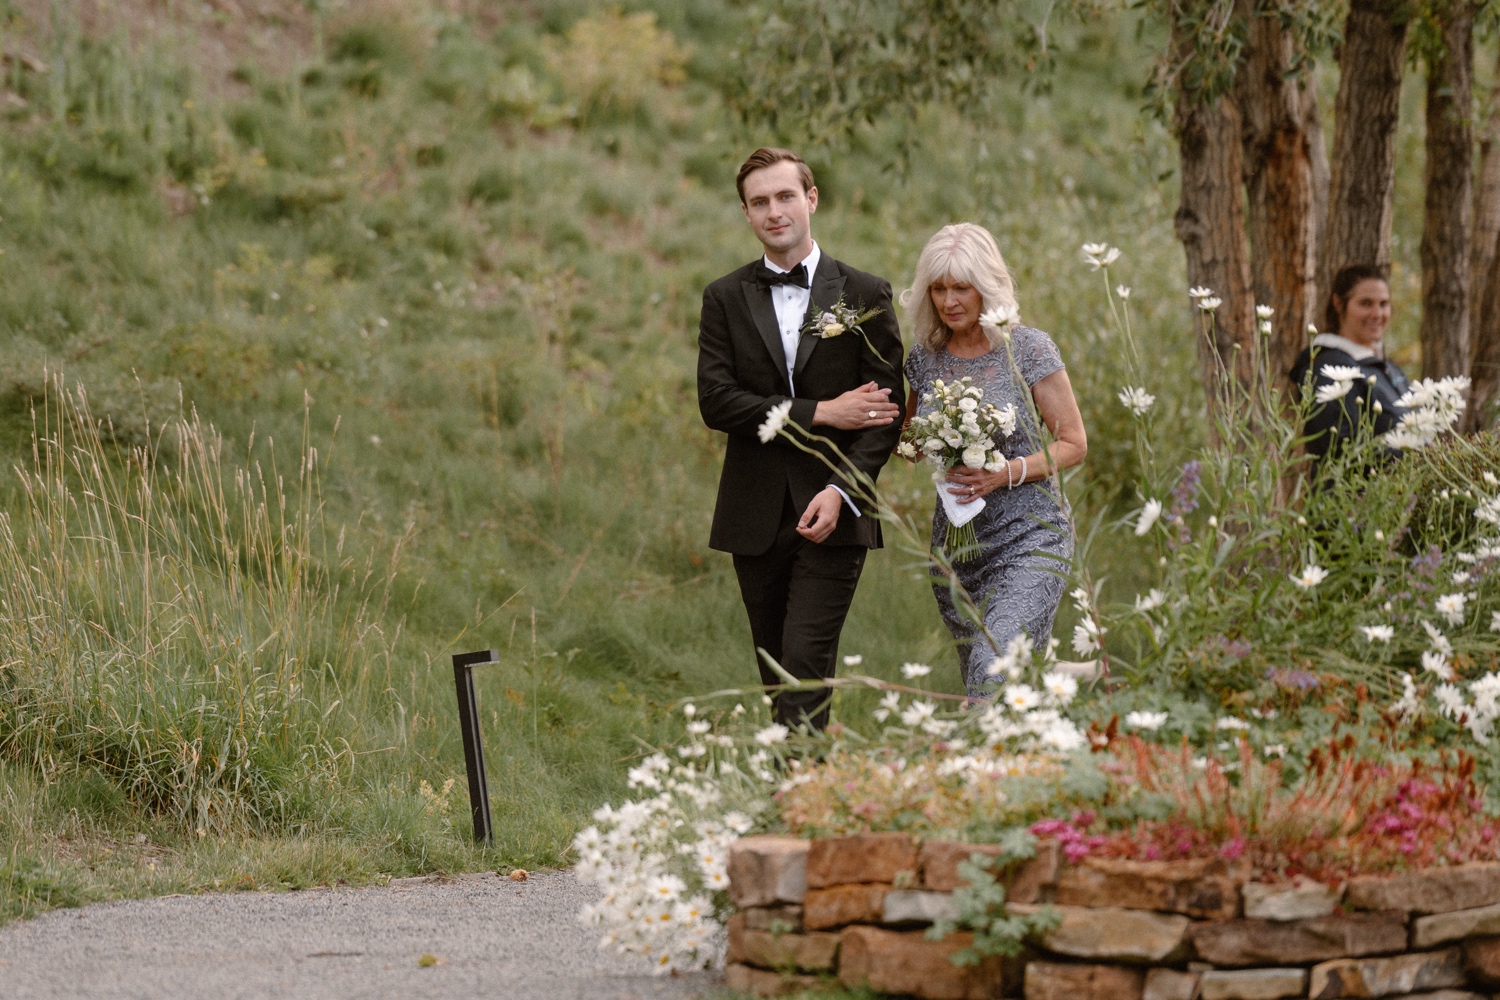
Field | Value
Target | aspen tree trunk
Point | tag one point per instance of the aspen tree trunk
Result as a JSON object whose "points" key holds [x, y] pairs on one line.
{"points": [[1364, 138], [1210, 223], [1449, 177], [1322, 175], [1484, 276], [1276, 107]]}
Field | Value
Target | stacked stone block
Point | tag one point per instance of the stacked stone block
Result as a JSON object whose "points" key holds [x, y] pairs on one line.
{"points": [[857, 908]]}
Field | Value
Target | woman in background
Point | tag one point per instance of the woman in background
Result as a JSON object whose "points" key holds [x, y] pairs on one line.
{"points": [[1348, 353]]}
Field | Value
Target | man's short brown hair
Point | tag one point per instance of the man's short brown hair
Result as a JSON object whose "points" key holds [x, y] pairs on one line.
{"points": [[769, 156]]}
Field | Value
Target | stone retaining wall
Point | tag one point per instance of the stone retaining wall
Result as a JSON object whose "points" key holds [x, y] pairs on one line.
{"points": [[857, 908]]}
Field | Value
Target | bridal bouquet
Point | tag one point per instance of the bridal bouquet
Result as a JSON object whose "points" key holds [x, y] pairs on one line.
{"points": [[960, 429]]}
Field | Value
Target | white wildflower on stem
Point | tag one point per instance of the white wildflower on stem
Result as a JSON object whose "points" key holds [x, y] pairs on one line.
{"points": [[1148, 516], [1199, 292], [1310, 577], [1123, 291], [1021, 697], [1086, 637], [1407, 705], [1150, 721], [889, 704], [918, 713], [1378, 633], [1152, 600], [911, 671], [1136, 400], [1210, 303], [1061, 688], [1001, 318], [1438, 640], [1435, 662], [772, 734], [1097, 255], [1451, 607], [775, 420]]}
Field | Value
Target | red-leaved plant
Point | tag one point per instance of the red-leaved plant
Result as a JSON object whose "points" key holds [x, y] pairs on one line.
{"points": [[1345, 815]]}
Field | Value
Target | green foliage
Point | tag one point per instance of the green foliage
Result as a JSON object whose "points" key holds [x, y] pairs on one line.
{"points": [[825, 67], [981, 905]]}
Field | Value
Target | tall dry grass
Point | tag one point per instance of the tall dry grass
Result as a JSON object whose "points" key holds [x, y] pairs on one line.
{"points": [[179, 623]]}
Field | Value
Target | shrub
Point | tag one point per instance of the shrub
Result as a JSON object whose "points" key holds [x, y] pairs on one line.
{"points": [[609, 62]]}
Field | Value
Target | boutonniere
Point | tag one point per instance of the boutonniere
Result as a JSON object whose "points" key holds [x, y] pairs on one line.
{"points": [[839, 319]]}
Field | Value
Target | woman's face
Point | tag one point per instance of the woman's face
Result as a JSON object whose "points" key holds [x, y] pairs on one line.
{"points": [[958, 304], [1365, 312]]}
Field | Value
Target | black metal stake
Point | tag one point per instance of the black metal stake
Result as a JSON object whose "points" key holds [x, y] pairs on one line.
{"points": [[468, 721]]}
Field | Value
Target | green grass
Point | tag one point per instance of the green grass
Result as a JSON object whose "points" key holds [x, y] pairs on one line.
{"points": [[479, 307]]}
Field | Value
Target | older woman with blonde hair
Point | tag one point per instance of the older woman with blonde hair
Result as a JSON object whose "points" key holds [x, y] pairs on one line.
{"points": [[1024, 538]]}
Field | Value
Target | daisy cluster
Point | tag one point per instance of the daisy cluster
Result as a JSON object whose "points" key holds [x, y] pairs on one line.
{"points": [[1024, 717], [661, 859], [1433, 408]]}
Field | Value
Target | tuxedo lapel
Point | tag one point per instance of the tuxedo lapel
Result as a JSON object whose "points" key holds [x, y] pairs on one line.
{"points": [[764, 314], [827, 286]]}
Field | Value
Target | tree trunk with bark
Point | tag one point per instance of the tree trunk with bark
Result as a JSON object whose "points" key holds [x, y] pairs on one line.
{"points": [[1484, 275], [1485, 392], [1210, 223], [1280, 128], [1366, 112], [1449, 178]]}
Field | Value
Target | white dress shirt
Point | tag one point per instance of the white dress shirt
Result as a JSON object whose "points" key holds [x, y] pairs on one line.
{"points": [[791, 304], [791, 309]]}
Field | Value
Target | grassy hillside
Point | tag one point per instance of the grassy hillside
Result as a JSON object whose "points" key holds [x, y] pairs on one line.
{"points": [[435, 290]]}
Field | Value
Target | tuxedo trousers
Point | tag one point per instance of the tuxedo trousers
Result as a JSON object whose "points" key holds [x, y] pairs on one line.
{"points": [[797, 594]]}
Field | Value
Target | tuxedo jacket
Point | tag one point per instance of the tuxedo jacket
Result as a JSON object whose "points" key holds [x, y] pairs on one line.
{"points": [[742, 375]]}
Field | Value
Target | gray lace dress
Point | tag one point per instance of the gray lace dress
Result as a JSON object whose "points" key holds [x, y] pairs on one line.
{"points": [[1026, 542]]}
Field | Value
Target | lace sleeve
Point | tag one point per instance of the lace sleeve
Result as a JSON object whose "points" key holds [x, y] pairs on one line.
{"points": [[1036, 354], [916, 368]]}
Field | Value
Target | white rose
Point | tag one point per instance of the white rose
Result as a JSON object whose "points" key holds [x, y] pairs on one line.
{"points": [[974, 456]]}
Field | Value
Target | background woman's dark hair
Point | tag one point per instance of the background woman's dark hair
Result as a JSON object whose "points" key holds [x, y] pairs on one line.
{"points": [[1343, 284]]}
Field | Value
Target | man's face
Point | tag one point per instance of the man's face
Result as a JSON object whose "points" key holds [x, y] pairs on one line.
{"points": [[778, 209]]}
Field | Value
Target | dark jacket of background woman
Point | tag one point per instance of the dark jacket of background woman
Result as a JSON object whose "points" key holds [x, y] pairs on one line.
{"points": [[1380, 380]]}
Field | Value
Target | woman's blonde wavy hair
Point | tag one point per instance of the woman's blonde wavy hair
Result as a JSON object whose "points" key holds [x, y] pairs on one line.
{"points": [[964, 252]]}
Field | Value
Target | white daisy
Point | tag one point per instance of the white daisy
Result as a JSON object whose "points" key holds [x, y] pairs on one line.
{"points": [[1311, 576]]}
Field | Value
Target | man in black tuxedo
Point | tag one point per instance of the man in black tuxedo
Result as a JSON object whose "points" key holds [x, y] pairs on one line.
{"points": [[793, 523]]}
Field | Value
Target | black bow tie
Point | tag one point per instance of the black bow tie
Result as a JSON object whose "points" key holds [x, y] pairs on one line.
{"points": [[767, 277]]}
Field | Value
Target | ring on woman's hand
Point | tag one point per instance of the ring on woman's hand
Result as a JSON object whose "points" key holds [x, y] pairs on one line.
{"points": [[872, 414]]}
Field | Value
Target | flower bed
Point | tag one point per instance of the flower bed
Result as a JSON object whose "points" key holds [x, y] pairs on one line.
{"points": [[863, 908]]}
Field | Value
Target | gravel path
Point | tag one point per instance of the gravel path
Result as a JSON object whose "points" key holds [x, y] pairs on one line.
{"points": [[493, 938]]}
